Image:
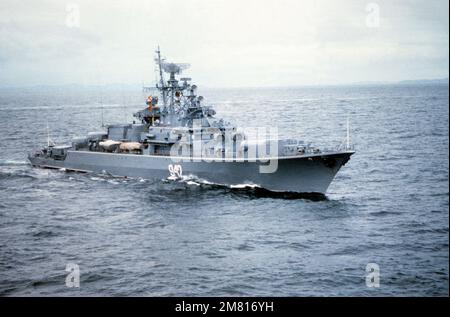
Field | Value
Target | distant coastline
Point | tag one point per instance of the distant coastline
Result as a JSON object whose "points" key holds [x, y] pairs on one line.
{"points": [[128, 87], [442, 81]]}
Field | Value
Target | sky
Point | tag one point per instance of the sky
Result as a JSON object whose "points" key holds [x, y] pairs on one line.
{"points": [[229, 43]]}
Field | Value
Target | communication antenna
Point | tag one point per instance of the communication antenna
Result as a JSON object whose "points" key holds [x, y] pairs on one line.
{"points": [[49, 141], [101, 106], [123, 104], [48, 135], [348, 134]]}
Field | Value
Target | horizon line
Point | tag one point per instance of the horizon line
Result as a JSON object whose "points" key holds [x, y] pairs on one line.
{"points": [[444, 80]]}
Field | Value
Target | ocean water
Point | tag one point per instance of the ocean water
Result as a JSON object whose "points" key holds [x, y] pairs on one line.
{"points": [[389, 205]]}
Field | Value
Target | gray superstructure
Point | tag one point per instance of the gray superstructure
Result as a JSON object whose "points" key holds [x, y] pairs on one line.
{"points": [[177, 137]]}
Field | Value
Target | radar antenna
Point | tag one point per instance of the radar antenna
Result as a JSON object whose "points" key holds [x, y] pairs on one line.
{"points": [[174, 68]]}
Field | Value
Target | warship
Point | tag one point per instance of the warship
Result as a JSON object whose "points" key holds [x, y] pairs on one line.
{"points": [[177, 137]]}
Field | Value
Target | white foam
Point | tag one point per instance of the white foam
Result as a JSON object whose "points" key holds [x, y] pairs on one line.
{"points": [[97, 178], [13, 162], [241, 186]]}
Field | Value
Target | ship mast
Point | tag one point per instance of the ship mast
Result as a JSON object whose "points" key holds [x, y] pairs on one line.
{"points": [[161, 77]]}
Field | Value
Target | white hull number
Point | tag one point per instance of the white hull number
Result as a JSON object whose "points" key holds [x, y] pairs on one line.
{"points": [[175, 171]]}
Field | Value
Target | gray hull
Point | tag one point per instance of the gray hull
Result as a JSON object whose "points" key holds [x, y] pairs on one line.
{"points": [[305, 174]]}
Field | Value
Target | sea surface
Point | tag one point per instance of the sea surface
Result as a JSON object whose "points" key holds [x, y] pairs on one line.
{"points": [[133, 237]]}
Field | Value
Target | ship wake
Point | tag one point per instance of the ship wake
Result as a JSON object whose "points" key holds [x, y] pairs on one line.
{"points": [[245, 189]]}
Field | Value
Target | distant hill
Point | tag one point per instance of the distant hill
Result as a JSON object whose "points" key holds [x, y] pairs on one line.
{"points": [[406, 82], [424, 81]]}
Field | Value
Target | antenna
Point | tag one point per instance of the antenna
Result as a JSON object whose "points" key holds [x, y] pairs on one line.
{"points": [[161, 77], [48, 135], [159, 61], [49, 141], [348, 134], [174, 68], [124, 108], [103, 124]]}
